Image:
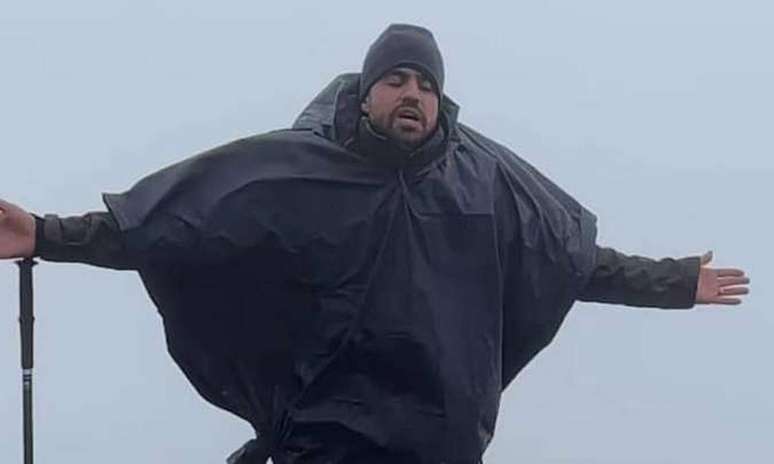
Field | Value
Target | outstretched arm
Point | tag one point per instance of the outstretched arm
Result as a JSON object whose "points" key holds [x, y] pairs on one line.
{"points": [[666, 283], [93, 238]]}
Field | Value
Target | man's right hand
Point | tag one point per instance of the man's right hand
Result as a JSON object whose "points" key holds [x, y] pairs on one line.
{"points": [[17, 232]]}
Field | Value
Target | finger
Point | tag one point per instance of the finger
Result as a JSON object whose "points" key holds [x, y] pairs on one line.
{"points": [[726, 301], [736, 291], [725, 281], [706, 257], [729, 272]]}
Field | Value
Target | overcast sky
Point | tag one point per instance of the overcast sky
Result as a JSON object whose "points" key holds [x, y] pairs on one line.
{"points": [[656, 115]]}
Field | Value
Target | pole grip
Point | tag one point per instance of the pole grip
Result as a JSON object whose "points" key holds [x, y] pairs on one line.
{"points": [[26, 315]]}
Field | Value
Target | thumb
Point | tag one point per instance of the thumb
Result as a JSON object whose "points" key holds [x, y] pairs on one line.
{"points": [[706, 257]]}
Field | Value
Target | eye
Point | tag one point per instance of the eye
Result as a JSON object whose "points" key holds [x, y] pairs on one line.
{"points": [[426, 85], [394, 81]]}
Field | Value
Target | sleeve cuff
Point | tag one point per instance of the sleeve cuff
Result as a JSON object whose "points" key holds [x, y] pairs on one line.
{"points": [[39, 234], [47, 234], [690, 269]]}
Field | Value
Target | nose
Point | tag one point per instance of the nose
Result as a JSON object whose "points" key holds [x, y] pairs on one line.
{"points": [[411, 91]]}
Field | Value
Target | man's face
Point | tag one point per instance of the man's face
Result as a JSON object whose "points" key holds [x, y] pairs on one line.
{"points": [[403, 106]]}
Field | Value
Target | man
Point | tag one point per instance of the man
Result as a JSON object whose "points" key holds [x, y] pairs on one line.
{"points": [[363, 286]]}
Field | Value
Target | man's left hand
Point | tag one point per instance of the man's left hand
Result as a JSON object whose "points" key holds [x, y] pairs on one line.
{"points": [[720, 286]]}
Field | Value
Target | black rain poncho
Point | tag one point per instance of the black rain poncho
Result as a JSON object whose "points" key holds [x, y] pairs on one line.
{"points": [[301, 282]]}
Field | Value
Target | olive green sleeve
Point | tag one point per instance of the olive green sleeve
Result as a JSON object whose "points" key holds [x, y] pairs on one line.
{"points": [[638, 281]]}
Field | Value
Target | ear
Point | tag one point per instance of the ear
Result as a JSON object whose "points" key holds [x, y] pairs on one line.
{"points": [[365, 105]]}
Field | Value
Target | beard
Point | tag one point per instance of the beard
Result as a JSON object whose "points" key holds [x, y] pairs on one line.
{"points": [[406, 133]]}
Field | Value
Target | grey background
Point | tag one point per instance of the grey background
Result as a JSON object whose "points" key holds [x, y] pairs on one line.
{"points": [[656, 115]]}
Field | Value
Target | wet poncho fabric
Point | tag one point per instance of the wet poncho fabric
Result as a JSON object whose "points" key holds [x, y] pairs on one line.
{"points": [[302, 283]]}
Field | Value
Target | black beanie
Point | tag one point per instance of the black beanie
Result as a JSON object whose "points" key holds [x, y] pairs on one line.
{"points": [[403, 45]]}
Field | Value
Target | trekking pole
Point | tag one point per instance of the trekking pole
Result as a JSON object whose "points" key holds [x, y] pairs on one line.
{"points": [[26, 321]]}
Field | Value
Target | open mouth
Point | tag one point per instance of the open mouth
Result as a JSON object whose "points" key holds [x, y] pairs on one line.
{"points": [[409, 115]]}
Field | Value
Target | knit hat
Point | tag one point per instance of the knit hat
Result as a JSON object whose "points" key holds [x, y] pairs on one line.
{"points": [[403, 45]]}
